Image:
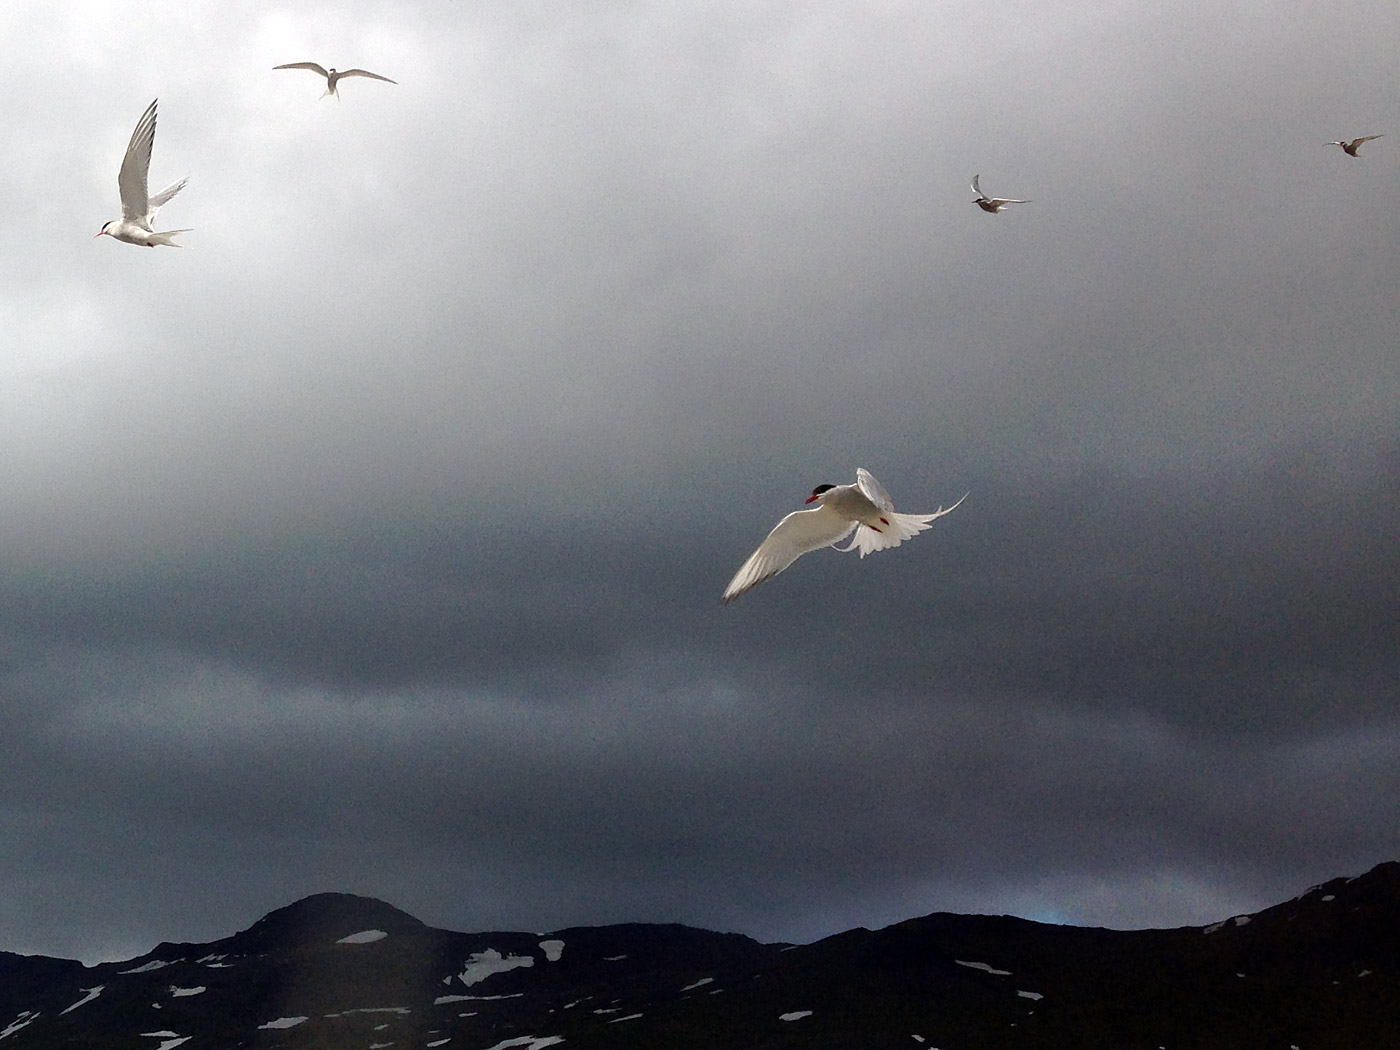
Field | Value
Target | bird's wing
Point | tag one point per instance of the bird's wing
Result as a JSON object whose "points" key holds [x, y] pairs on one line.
{"points": [[900, 528], [797, 534], [131, 180], [1009, 200], [366, 73], [1366, 138], [873, 490], [157, 200], [976, 188], [315, 67]]}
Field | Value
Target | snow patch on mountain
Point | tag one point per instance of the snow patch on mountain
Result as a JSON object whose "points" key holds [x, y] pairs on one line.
{"points": [[1238, 920], [983, 966], [282, 1022], [481, 965], [24, 1018], [92, 993], [363, 937], [154, 964], [553, 950], [441, 999]]}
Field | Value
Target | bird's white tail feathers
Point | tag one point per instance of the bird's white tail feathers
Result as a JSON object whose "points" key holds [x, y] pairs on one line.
{"points": [[168, 237], [900, 528]]}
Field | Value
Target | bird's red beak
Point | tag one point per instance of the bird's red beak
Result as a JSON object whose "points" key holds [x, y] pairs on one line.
{"points": [[812, 498]]}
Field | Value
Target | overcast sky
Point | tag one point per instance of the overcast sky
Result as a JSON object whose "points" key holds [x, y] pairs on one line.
{"points": [[375, 542]]}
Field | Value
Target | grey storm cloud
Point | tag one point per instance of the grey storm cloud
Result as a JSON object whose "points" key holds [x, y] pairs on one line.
{"points": [[375, 542]]}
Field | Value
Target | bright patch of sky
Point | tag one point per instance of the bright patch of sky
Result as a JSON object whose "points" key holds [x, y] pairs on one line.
{"points": [[629, 1017], [795, 1015], [282, 1022], [177, 992], [699, 984], [553, 950], [1029, 995]]}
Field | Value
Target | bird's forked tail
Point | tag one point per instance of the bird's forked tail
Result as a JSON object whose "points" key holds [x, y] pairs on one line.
{"points": [[897, 529], [167, 237]]}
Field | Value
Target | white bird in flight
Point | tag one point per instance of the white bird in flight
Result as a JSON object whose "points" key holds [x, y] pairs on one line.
{"points": [[1350, 148], [864, 507], [333, 75], [991, 204], [137, 224]]}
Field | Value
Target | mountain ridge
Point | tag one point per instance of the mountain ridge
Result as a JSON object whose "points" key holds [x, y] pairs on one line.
{"points": [[1319, 971]]}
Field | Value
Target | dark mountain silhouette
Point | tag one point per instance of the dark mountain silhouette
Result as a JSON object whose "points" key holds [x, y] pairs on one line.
{"points": [[335, 971]]}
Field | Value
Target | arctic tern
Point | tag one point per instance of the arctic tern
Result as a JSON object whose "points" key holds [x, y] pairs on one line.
{"points": [[991, 204], [864, 507], [137, 224], [332, 75], [1350, 148]]}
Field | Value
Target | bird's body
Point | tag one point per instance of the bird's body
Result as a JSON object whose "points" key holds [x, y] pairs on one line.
{"points": [[991, 204], [334, 76], [1350, 148], [137, 224], [864, 508]]}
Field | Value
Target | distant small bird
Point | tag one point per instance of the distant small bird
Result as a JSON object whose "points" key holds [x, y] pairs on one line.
{"points": [[137, 224], [332, 75], [991, 204], [864, 507], [1350, 148]]}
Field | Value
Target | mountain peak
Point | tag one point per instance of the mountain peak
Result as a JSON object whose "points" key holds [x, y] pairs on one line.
{"points": [[327, 917]]}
